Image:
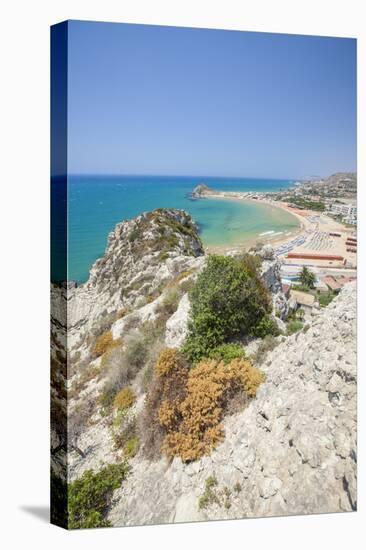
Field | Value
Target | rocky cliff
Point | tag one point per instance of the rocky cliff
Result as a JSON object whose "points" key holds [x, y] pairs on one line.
{"points": [[291, 451], [142, 255], [201, 190], [127, 284], [270, 273]]}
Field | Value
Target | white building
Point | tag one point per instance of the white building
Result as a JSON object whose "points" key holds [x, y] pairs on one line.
{"points": [[349, 210], [350, 220]]}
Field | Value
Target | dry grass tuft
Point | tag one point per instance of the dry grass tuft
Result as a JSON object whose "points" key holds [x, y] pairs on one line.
{"points": [[185, 406], [124, 399], [103, 343]]}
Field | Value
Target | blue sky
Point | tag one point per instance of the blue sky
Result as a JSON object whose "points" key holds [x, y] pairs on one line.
{"points": [[166, 100]]}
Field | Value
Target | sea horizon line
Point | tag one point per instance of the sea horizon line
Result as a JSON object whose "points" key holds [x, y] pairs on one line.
{"points": [[155, 175]]}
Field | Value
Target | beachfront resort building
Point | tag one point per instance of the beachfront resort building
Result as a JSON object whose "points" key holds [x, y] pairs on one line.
{"points": [[346, 210], [350, 220]]}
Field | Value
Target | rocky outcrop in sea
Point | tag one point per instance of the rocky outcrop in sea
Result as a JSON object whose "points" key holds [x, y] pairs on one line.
{"points": [[201, 190]]}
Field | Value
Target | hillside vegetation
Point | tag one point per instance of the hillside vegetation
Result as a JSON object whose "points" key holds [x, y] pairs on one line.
{"points": [[135, 402]]}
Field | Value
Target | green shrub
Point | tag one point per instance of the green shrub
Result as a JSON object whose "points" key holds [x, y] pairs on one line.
{"points": [[324, 299], [89, 496], [163, 256], [196, 347], [227, 300], [308, 204], [227, 352], [135, 234], [186, 285], [119, 418], [227, 495], [209, 496], [294, 326], [131, 447], [215, 495], [106, 397], [252, 262], [266, 326], [300, 314]]}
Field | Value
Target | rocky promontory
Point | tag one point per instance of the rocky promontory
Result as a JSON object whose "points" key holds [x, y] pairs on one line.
{"points": [[142, 255], [201, 190]]}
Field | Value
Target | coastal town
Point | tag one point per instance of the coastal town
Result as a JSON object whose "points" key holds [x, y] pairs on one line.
{"points": [[324, 244]]}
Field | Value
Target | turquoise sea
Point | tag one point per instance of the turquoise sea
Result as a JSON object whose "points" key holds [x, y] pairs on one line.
{"points": [[97, 203]]}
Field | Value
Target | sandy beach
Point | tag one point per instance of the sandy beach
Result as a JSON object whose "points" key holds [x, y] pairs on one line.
{"points": [[311, 237], [274, 239]]}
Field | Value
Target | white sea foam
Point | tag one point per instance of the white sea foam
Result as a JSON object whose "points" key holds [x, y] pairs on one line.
{"points": [[266, 233]]}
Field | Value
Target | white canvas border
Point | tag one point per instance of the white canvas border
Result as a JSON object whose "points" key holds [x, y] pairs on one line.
{"points": [[25, 269]]}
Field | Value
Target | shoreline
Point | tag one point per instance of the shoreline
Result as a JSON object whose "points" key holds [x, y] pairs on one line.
{"points": [[316, 234], [273, 240]]}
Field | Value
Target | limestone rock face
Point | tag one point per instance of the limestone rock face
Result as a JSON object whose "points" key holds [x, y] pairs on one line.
{"points": [[271, 276], [291, 451], [267, 252], [141, 255], [177, 325], [201, 190]]}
